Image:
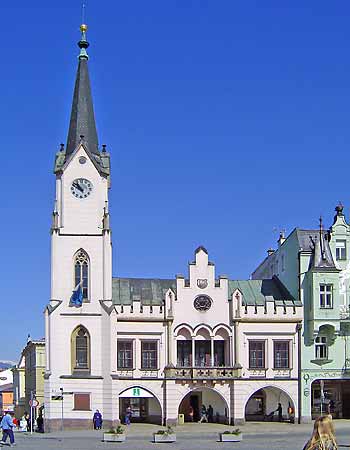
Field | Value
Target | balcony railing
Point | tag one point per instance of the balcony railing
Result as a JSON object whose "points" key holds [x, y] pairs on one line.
{"points": [[282, 373], [202, 373]]}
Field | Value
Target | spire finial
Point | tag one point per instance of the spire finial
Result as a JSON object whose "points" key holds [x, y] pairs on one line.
{"points": [[321, 223], [83, 43]]}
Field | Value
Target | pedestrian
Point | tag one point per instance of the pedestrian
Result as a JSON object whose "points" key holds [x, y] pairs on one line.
{"points": [[191, 413], [279, 411], [323, 437], [210, 414], [7, 429], [128, 415], [97, 420], [27, 417], [40, 424], [203, 414], [23, 424]]}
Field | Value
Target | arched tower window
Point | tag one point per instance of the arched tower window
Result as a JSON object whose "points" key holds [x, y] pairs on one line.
{"points": [[80, 348], [81, 272]]}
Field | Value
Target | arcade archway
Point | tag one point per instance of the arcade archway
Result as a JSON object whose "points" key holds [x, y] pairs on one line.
{"points": [[211, 399], [263, 405], [145, 406]]}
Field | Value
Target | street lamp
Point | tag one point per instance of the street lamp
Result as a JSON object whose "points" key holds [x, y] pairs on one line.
{"points": [[61, 389]]}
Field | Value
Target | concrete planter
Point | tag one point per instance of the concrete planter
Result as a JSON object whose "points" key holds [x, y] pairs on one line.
{"points": [[230, 437], [113, 437], [166, 437]]}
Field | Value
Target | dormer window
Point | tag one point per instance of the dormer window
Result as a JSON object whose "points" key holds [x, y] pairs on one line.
{"points": [[326, 296], [340, 250]]}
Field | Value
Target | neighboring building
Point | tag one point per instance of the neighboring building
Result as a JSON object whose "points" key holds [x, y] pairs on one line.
{"points": [[19, 399], [34, 363], [160, 346], [315, 267], [6, 390]]}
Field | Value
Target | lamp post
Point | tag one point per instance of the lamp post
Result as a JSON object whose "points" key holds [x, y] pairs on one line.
{"points": [[61, 389]]}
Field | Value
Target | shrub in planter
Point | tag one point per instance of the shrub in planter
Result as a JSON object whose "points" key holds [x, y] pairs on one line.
{"points": [[165, 435], [231, 435], [115, 435]]}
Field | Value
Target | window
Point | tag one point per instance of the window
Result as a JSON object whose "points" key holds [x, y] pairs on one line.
{"points": [[81, 272], [80, 349], [256, 354], [125, 355], [184, 353], [149, 355], [321, 347], [326, 294], [82, 402], [281, 354], [340, 250]]}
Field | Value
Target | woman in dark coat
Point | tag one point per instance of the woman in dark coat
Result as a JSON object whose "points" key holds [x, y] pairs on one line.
{"points": [[97, 420]]}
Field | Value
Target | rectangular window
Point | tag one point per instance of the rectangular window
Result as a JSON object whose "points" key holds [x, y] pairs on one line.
{"points": [[256, 354], [326, 296], [82, 402], [340, 249], [321, 347], [281, 354], [125, 354], [149, 355]]}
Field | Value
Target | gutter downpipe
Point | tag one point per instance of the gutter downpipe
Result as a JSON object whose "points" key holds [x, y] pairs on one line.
{"points": [[299, 327]]}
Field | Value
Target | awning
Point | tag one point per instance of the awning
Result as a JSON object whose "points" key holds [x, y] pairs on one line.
{"points": [[136, 392]]}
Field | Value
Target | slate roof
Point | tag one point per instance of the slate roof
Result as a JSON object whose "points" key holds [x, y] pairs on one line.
{"points": [[258, 292], [148, 291], [82, 119], [317, 241]]}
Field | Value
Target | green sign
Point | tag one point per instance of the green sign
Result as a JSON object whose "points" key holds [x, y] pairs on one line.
{"points": [[136, 392]]}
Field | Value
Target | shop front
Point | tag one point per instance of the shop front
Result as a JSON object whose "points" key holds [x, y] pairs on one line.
{"points": [[145, 407], [331, 397]]}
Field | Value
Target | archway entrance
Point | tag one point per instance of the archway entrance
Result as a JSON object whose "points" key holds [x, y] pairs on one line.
{"points": [[215, 404], [145, 407], [263, 405]]}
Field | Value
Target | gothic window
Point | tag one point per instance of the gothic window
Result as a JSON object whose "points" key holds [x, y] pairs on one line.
{"points": [[80, 347], [81, 272]]}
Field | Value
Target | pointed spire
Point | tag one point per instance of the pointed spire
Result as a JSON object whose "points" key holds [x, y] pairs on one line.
{"points": [[82, 119]]}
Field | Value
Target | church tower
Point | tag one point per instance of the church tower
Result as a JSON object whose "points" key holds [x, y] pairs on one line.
{"points": [[78, 331]]}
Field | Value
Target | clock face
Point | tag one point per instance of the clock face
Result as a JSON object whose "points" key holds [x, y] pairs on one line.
{"points": [[81, 188]]}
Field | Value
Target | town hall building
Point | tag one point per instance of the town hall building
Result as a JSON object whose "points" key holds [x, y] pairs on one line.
{"points": [[163, 347]]}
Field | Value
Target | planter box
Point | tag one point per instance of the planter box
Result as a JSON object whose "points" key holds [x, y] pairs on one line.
{"points": [[109, 437], [229, 437], [164, 437]]}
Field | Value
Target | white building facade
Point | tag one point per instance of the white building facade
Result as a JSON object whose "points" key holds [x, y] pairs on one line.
{"points": [[162, 347]]}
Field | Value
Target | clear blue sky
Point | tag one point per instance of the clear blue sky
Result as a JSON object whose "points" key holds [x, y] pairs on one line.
{"points": [[226, 121]]}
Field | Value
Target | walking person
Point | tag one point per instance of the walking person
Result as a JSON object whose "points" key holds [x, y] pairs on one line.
{"points": [[7, 429], [128, 415], [97, 420], [191, 413], [279, 411], [204, 416], [323, 437]]}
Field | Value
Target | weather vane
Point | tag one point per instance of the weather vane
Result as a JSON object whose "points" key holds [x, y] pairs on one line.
{"points": [[83, 12]]}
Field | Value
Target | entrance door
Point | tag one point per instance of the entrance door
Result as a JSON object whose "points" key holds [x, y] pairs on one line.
{"points": [[195, 403], [139, 408]]}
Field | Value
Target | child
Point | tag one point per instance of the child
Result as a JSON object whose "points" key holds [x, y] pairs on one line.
{"points": [[323, 435]]}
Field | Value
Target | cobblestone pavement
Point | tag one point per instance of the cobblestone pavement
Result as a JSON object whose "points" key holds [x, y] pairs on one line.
{"points": [[257, 436]]}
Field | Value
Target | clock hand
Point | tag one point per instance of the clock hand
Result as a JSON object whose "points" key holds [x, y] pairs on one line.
{"points": [[77, 185]]}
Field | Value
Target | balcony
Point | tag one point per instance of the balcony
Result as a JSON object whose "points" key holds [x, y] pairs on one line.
{"points": [[202, 373]]}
